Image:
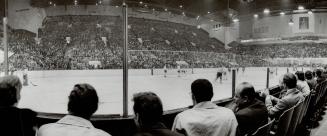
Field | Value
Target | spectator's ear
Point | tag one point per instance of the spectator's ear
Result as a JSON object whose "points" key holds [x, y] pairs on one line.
{"points": [[246, 99], [193, 99], [18, 96], [137, 120]]}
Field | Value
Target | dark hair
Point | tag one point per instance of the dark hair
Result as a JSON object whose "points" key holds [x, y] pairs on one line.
{"points": [[319, 73], [8, 94], [290, 80], [202, 90], [149, 107], [247, 90], [300, 75], [10, 86], [83, 101], [308, 75]]}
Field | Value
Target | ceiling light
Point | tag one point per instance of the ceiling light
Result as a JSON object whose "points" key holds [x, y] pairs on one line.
{"points": [[266, 11], [235, 20], [309, 12], [255, 15], [300, 7], [282, 13]]}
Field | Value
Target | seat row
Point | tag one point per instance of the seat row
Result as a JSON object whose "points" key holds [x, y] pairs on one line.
{"points": [[302, 116]]}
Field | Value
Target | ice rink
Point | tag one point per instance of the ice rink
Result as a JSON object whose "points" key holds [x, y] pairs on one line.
{"points": [[48, 91]]}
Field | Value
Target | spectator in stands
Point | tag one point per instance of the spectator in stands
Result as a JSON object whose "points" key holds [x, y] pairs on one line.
{"points": [[301, 84], [289, 98], [148, 111], [310, 80], [250, 112], [319, 76], [14, 121], [83, 102], [205, 118]]}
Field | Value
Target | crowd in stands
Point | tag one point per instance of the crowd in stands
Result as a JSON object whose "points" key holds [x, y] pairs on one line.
{"points": [[146, 59], [72, 42], [283, 50], [249, 110], [296, 38]]}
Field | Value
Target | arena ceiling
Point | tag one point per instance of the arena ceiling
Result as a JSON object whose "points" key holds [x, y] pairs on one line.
{"points": [[195, 7], [200, 6]]}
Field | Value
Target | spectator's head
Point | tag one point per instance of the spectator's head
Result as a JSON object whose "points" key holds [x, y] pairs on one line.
{"points": [[10, 87], [245, 94], [201, 90], [308, 75], [288, 81], [83, 101], [319, 73], [147, 109], [300, 75]]}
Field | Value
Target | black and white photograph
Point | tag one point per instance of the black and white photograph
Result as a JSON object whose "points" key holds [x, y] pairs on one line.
{"points": [[163, 67]]}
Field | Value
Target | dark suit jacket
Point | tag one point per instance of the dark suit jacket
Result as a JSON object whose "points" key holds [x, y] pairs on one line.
{"points": [[312, 84], [320, 79], [17, 122], [252, 117], [157, 130]]}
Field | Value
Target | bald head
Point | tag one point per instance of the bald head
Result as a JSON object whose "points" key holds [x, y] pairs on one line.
{"points": [[244, 90]]}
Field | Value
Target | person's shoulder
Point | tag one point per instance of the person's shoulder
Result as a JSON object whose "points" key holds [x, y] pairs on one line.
{"points": [[257, 108], [44, 128], [28, 111], [224, 109], [185, 113], [225, 113], [28, 114]]}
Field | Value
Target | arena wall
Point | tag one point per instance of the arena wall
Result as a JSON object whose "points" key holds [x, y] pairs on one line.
{"points": [[117, 11], [321, 23], [22, 16], [278, 26], [245, 27], [203, 22]]}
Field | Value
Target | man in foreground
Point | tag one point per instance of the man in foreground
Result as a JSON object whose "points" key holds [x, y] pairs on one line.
{"points": [[205, 118]]}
